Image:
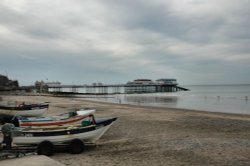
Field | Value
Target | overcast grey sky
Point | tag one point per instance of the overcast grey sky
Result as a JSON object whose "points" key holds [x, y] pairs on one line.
{"points": [[114, 41]]}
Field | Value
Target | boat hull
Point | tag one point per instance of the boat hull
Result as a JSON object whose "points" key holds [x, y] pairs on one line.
{"points": [[27, 113]]}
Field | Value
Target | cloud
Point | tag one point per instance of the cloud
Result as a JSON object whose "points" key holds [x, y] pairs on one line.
{"points": [[195, 41]]}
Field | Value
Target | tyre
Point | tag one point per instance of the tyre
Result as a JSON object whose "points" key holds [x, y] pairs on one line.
{"points": [[45, 148], [76, 146]]}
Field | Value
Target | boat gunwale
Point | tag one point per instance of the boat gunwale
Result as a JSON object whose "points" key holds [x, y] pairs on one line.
{"points": [[69, 131], [49, 123]]}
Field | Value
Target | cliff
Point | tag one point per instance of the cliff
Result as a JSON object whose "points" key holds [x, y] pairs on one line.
{"points": [[7, 84]]}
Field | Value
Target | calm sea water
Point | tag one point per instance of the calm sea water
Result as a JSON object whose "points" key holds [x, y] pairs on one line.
{"points": [[212, 98]]}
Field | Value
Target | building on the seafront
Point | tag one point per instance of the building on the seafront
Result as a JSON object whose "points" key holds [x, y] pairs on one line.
{"points": [[140, 86], [42, 87], [149, 86]]}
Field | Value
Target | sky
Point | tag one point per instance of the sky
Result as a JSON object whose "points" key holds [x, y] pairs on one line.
{"points": [[116, 41]]}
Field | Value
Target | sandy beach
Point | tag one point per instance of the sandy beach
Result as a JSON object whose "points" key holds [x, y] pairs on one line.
{"points": [[157, 136]]}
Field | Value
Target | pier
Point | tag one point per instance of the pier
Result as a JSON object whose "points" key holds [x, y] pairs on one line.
{"points": [[113, 89]]}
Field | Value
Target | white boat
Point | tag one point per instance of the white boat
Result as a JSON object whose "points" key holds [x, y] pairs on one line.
{"points": [[73, 117], [90, 134], [28, 110]]}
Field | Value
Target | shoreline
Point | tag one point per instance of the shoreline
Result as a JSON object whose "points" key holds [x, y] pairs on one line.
{"points": [[202, 103], [135, 105], [168, 108], [148, 136]]}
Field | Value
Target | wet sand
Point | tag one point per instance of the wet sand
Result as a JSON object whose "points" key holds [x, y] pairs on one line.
{"points": [[151, 136]]}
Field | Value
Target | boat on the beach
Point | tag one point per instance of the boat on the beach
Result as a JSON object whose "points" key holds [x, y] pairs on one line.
{"points": [[27, 110], [74, 137], [70, 118], [87, 133]]}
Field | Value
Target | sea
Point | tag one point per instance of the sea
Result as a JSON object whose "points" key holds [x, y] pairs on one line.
{"points": [[212, 98]]}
